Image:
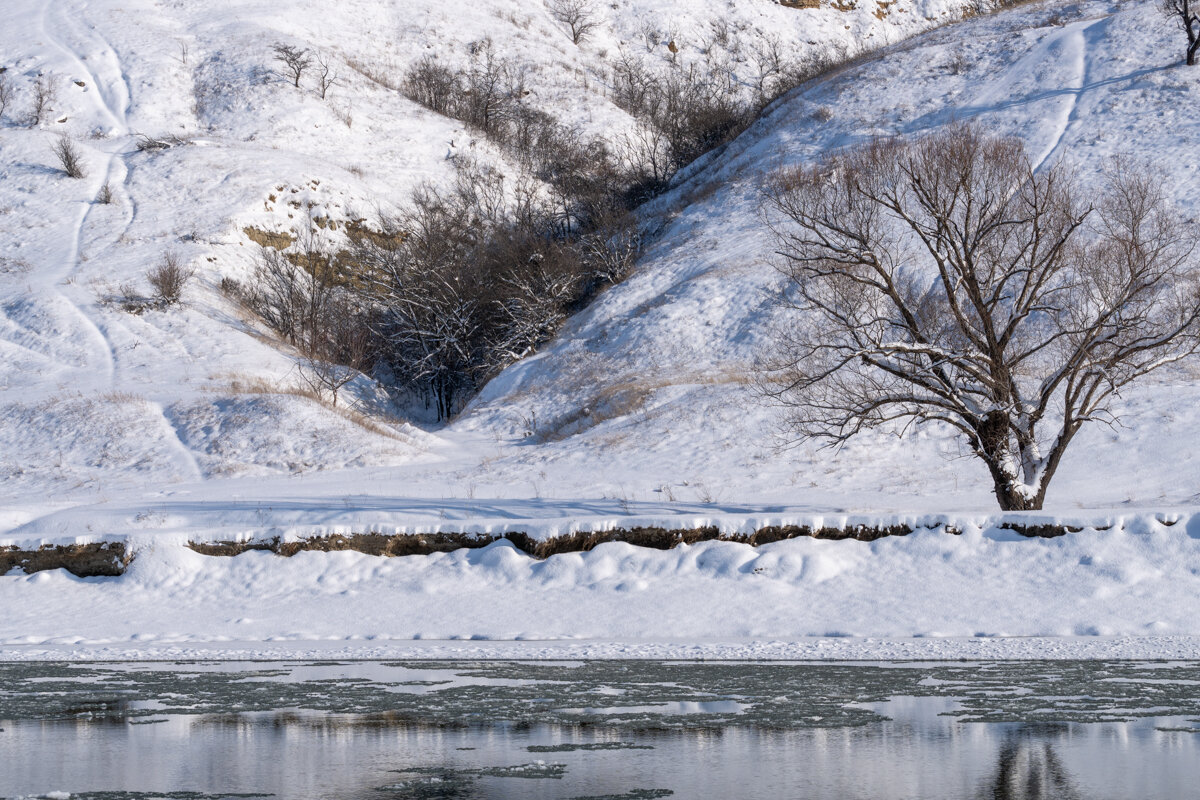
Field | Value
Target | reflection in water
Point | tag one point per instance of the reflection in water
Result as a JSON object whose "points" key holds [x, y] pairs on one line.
{"points": [[307, 756], [611, 731], [1028, 767]]}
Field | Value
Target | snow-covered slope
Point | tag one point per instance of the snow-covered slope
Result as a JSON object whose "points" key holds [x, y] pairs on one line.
{"points": [[164, 393], [645, 396], [654, 377], [170, 424]]}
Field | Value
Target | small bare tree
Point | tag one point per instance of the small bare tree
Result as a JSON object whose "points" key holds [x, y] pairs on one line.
{"points": [[68, 157], [7, 91], [326, 77], [1185, 13], [45, 93], [579, 16], [944, 280], [767, 55], [295, 61]]}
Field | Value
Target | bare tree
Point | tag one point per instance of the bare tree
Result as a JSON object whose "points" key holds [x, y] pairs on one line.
{"points": [[69, 157], [767, 55], [1185, 12], [579, 16], [7, 91], [326, 77], [295, 61], [278, 293], [45, 93], [944, 280]]}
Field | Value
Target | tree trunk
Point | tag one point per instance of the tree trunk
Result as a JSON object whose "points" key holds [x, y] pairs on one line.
{"points": [[1012, 500], [991, 444], [1190, 21]]}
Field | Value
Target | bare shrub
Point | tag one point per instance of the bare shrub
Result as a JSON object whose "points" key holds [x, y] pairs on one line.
{"points": [[344, 112], [149, 144], [294, 61], [45, 94], [338, 351], [300, 293], [697, 111], [611, 250], [651, 35], [490, 90], [69, 157], [105, 195], [580, 17], [428, 296], [232, 288], [130, 300], [693, 109], [433, 85], [292, 289], [944, 281], [959, 62], [644, 155], [168, 278], [768, 57]]}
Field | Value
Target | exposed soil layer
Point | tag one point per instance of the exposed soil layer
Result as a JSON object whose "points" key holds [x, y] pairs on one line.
{"points": [[81, 560], [407, 544], [111, 558]]}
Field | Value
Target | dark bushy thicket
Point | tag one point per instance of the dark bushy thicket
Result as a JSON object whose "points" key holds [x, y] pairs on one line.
{"points": [[460, 285], [443, 295]]}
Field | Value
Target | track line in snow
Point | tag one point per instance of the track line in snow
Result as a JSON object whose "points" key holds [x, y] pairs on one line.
{"points": [[186, 455], [1082, 35], [104, 99], [111, 98]]}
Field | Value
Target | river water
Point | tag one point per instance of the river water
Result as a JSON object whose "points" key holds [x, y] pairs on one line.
{"points": [[599, 729]]}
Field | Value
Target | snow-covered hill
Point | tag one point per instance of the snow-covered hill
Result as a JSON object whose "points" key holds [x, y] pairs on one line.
{"points": [[174, 423], [95, 398], [649, 386]]}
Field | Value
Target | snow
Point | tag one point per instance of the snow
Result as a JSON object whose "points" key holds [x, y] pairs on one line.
{"points": [[739, 601], [184, 424]]}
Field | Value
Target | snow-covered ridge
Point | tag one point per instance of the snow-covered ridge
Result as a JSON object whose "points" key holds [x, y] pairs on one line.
{"points": [[767, 601], [295, 520]]}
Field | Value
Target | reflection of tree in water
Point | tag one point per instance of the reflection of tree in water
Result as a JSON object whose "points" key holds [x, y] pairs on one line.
{"points": [[1028, 767]]}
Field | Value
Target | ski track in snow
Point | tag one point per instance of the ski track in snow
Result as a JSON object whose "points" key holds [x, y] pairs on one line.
{"points": [[1078, 48], [104, 102]]}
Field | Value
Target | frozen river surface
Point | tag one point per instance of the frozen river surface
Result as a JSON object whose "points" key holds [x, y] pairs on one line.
{"points": [[599, 729]]}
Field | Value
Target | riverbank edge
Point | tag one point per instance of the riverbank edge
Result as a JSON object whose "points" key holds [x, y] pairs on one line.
{"points": [[112, 558]]}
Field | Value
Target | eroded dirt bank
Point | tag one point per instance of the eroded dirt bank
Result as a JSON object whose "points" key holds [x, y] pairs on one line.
{"points": [[83, 560], [109, 559]]}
